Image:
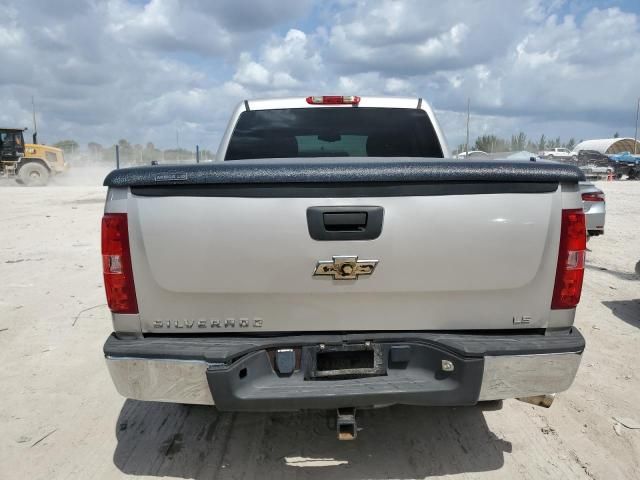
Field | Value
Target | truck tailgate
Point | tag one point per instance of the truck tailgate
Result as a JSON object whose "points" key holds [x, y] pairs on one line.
{"points": [[476, 251]]}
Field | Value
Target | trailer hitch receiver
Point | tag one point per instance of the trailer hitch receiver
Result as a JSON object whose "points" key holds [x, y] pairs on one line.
{"points": [[346, 426]]}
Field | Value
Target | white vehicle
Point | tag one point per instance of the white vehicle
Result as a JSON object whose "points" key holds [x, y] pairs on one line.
{"points": [[473, 154], [336, 260], [556, 153], [594, 206]]}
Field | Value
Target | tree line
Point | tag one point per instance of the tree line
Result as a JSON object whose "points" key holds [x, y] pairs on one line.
{"points": [[130, 154], [517, 143], [137, 154]]}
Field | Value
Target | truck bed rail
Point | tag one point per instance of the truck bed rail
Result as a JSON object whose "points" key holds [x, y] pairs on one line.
{"points": [[346, 170]]}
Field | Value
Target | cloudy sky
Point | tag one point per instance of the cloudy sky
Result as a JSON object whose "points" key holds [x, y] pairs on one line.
{"points": [[101, 70]]}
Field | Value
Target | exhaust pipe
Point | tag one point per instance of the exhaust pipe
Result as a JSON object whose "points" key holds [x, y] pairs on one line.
{"points": [[540, 400]]}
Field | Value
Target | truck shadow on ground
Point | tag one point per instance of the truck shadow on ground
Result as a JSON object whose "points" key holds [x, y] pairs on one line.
{"points": [[621, 275], [626, 310], [157, 439]]}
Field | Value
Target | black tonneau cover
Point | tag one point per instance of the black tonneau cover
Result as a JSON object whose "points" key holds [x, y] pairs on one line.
{"points": [[349, 170]]}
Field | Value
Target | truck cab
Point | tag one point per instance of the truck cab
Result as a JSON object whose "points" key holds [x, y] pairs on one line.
{"points": [[11, 144]]}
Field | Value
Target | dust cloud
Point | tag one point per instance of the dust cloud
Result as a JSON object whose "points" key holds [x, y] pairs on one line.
{"points": [[81, 176]]}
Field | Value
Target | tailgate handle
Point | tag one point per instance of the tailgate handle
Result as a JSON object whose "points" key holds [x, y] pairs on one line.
{"points": [[345, 223]]}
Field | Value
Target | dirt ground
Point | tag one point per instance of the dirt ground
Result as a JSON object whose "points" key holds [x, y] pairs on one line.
{"points": [[62, 418]]}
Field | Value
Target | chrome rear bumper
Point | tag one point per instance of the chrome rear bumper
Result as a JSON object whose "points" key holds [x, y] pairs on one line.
{"points": [[595, 213], [528, 375], [185, 381], [181, 380], [161, 380]]}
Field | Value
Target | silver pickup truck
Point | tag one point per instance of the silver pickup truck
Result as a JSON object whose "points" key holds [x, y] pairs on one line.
{"points": [[333, 258]]}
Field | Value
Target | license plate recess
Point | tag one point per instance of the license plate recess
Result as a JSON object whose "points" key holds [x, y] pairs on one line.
{"points": [[344, 361]]}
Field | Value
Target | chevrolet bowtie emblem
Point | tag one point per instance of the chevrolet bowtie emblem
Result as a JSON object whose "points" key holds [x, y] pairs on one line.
{"points": [[345, 268]]}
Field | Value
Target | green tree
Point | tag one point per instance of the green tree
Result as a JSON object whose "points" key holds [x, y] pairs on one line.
{"points": [[553, 143], [151, 153], [616, 135], [125, 146], [207, 154], [518, 142], [542, 144], [570, 144], [138, 154], [126, 152], [490, 143], [96, 151], [459, 149], [179, 155], [67, 146]]}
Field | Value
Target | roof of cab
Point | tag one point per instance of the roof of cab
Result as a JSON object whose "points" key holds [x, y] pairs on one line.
{"points": [[301, 102]]}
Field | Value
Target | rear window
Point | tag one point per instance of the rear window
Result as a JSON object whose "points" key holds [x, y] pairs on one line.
{"points": [[333, 132]]}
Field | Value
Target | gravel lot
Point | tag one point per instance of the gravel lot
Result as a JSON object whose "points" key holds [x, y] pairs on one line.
{"points": [[62, 418]]}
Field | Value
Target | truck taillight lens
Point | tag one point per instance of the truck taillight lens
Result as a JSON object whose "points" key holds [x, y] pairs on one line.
{"points": [[593, 197], [116, 264], [571, 256]]}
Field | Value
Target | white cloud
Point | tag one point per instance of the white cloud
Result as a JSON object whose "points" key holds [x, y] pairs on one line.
{"points": [[284, 80], [397, 86], [418, 37], [101, 71], [284, 63], [106, 70], [205, 27], [251, 73]]}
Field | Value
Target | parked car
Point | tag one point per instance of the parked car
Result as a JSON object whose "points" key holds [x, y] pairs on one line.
{"points": [[473, 154], [626, 157], [594, 206], [555, 153], [595, 171], [626, 164], [590, 157], [335, 259]]}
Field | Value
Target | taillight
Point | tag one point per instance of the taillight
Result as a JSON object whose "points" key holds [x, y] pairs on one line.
{"points": [[593, 197], [116, 264], [334, 100], [571, 256]]}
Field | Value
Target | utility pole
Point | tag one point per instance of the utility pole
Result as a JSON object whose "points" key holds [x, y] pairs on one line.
{"points": [[635, 137], [177, 144], [466, 145], [35, 125]]}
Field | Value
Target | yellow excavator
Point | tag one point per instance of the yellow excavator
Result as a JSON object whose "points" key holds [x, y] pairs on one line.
{"points": [[29, 164]]}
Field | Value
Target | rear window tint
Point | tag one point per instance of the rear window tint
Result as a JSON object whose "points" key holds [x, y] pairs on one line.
{"points": [[333, 132]]}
